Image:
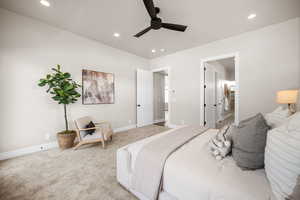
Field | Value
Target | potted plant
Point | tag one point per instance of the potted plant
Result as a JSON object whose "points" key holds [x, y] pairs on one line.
{"points": [[64, 91]]}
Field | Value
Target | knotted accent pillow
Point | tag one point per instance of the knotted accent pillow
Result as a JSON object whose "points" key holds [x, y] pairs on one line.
{"points": [[90, 125], [220, 145], [249, 142]]}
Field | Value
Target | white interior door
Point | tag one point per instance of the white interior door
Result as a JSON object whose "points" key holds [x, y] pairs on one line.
{"points": [[144, 97], [210, 98]]}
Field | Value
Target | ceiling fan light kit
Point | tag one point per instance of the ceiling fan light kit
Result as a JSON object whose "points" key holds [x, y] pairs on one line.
{"points": [[156, 22]]}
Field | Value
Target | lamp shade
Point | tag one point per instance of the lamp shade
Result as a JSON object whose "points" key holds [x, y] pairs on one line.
{"points": [[287, 96]]}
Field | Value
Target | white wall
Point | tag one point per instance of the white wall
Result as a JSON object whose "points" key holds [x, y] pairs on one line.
{"points": [[269, 61], [28, 49]]}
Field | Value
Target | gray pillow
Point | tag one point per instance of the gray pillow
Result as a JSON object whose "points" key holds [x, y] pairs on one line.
{"points": [[249, 141], [296, 193]]}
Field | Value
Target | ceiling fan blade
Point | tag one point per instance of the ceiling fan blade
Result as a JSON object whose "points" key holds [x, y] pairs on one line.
{"points": [[174, 27], [143, 32], [150, 8]]}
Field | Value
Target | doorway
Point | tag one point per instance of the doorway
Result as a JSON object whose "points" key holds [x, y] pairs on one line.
{"points": [[161, 97], [220, 102], [153, 105]]}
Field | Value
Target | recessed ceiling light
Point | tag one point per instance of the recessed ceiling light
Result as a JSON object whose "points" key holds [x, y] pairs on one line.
{"points": [[117, 34], [153, 50], [252, 16], [45, 3], [162, 50]]}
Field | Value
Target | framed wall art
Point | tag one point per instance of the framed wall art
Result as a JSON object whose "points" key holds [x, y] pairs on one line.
{"points": [[97, 87]]}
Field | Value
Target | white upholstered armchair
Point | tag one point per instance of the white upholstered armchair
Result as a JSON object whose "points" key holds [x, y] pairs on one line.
{"points": [[103, 132]]}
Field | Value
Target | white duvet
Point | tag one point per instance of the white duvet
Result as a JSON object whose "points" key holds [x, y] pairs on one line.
{"points": [[191, 173]]}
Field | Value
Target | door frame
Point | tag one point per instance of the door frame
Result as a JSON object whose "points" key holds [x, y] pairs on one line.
{"points": [[168, 69], [237, 81]]}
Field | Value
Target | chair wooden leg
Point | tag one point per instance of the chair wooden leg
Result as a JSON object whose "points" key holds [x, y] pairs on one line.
{"points": [[77, 146], [103, 144], [111, 138]]}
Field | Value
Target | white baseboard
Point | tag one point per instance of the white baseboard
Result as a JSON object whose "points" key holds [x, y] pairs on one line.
{"points": [[159, 120], [28, 150], [46, 146], [146, 124]]}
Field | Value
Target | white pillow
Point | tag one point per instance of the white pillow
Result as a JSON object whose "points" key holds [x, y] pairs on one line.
{"points": [[282, 157], [277, 117]]}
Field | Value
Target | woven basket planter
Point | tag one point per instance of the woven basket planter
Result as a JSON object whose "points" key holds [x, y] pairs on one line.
{"points": [[66, 140]]}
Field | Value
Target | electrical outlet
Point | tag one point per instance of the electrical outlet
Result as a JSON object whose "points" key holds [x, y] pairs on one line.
{"points": [[42, 148], [182, 122], [129, 122]]}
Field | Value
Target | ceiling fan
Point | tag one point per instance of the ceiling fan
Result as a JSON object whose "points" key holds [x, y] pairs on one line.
{"points": [[156, 22]]}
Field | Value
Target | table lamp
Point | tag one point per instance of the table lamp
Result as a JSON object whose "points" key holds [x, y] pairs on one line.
{"points": [[289, 97]]}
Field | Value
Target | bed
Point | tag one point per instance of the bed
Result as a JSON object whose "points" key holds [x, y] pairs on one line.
{"points": [[191, 173]]}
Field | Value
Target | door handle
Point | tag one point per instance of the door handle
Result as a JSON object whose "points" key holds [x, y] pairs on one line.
{"points": [[138, 105], [215, 105]]}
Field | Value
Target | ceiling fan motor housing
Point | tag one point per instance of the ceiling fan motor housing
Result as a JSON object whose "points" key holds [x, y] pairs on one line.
{"points": [[156, 23], [157, 10]]}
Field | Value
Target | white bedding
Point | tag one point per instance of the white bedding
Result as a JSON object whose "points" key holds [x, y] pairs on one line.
{"points": [[191, 173], [137, 146]]}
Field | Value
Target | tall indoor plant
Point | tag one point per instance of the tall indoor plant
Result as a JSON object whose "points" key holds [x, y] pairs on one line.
{"points": [[64, 91]]}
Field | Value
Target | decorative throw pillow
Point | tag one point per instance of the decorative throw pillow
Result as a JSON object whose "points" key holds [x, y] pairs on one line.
{"points": [[90, 125], [220, 145], [277, 117], [282, 159], [249, 141]]}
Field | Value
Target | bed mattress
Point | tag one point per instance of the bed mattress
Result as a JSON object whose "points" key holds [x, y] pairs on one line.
{"points": [[191, 173]]}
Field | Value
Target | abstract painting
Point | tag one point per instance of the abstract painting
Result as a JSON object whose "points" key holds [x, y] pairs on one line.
{"points": [[98, 87]]}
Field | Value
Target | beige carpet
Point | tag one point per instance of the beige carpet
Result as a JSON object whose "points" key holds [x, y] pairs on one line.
{"points": [[88, 173]]}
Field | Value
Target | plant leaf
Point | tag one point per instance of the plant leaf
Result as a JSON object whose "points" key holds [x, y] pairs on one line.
{"points": [[67, 75]]}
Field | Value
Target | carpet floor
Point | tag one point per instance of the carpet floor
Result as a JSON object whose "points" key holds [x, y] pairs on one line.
{"points": [[86, 174]]}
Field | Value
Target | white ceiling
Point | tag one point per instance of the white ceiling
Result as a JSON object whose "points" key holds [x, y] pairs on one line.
{"points": [[207, 20]]}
